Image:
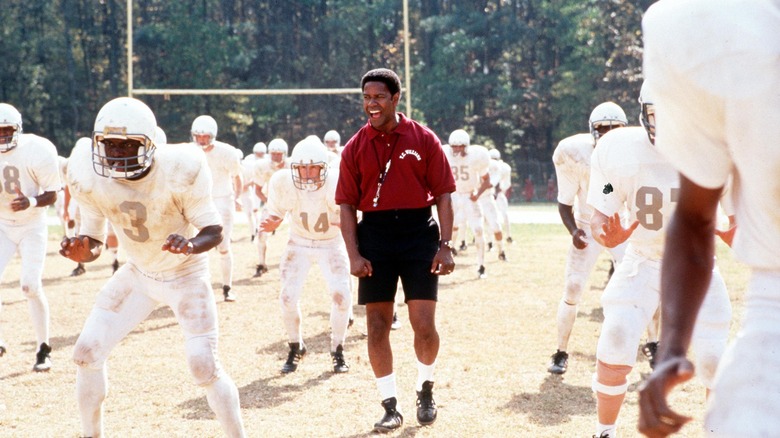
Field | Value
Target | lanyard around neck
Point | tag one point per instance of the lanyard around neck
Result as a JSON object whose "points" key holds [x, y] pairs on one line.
{"points": [[385, 169]]}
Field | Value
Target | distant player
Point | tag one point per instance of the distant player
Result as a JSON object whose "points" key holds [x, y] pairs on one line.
{"points": [[226, 176], [572, 159], [503, 192], [30, 181], [263, 170], [307, 193], [469, 165], [250, 203], [490, 208]]}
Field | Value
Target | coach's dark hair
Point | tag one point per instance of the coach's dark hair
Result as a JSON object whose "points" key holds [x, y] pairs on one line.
{"points": [[384, 75]]}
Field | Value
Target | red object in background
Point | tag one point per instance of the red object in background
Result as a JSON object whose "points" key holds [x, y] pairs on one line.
{"points": [[551, 189], [528, 191]]}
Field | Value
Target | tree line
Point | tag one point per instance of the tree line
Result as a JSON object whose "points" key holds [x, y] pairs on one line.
{"points": [[519, 75]]}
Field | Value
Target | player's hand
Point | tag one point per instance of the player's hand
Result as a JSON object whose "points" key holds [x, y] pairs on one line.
{"points": [[20, 202], [76, 249], [614, 233], [443, 263], [270, 224], [578, 239], [656, 419], [178, 244], [360, 267], [727, 236]]}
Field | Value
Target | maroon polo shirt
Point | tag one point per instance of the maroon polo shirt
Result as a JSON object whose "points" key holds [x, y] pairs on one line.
{"points": [[418, 172]]}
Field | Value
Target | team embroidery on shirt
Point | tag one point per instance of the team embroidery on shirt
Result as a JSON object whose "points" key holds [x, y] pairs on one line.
{"points": [[410, 152]]}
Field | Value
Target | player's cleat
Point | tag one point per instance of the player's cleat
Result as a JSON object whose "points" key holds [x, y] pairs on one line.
{"points": [[339, 364], [79, 270], [392, 419], [649, 350], [396, 322], [2, 348], [462, 245], [261, 269], [558, 362], [426, 407], [253, 237], [509, 239], [604, 434], [490, 246], [351, 322], [502, 256], [228, 294], [115, 265], [481, 271], [294, 357], [42, 359]]}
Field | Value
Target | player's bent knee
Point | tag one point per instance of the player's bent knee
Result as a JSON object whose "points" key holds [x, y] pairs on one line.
{"points": [[202, 359], [88, 355], [610, 379], [32, 291]]}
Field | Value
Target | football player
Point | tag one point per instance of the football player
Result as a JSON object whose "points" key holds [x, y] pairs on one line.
{"points": [[713, 68], [572, 159], [503, 191], [226, 176], [646, 185], [263, 170], [156, 199], [30, 181], [307, 193], [469, 165], [490, 208], [249, 200]]}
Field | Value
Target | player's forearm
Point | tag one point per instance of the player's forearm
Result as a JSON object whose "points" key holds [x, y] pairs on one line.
{"points": [[567, 217], [45, 199], [208, 237], [446, 215]]}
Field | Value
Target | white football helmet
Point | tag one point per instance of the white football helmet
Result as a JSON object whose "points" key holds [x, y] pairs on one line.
{"points": [[647, 114], [204, 125], [10, 117], [495, 154], [307, 152], [260, 149], [278, 150], [124, 118], [459, 139], [332, 140], [607, 114]]}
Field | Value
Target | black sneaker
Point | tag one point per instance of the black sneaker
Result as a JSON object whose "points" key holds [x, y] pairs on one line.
{"points": [[502, 256], [396, 322], [392, 419], [229, 296], [490, 246], [509, 239], [79, 270], [481, 271], [351, 322], [649, 350], [294, 357], [42, 359], [462, 245], [261, 269], [339, 364], [604, 434], [115, 265], [559, 362], [2, 348], [426, 407]]}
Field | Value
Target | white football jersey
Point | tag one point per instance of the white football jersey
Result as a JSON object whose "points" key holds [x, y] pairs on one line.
{"points": [[494, 171], [572, 169], [247, 169], [718, 109], [172, 198], [265, 168], [225, 166], [626, 169], [469, 170], [32, 168], [313, 215], [62, 166]]}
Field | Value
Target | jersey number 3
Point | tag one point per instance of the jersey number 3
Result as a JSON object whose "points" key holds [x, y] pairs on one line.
{"points": [[137, 213]]}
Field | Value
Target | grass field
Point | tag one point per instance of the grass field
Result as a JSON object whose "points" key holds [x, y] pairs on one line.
{"points": [[491, 381]]}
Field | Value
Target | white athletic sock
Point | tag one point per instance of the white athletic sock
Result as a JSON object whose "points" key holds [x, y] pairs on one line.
{"points": [[386, 386], [424, 373], [611, 429]]}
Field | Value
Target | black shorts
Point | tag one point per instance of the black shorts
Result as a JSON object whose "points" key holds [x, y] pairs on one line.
{"points": [[399, 244], [416, 278]]}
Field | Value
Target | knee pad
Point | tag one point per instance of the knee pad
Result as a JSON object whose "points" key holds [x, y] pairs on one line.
{"points": [[32, 291], [575, 285], [610, 379], [202, 359], [620, 334], [707, 356], [89, 355]]}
